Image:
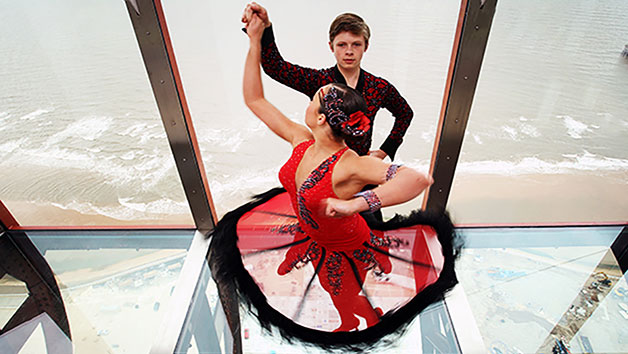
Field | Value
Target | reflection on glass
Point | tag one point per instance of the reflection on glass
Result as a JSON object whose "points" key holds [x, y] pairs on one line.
{"points": [[546, 136], [107, 301], [614, 309], [14, 293], [410, 46], [206, 329], [516, 282], [115, 289], [81, 140]]}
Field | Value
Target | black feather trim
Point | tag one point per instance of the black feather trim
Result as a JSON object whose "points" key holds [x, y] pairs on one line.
{"points": [[226, 265]]}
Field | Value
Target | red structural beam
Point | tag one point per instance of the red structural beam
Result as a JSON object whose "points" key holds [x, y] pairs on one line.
{"points": [[7, 218]]}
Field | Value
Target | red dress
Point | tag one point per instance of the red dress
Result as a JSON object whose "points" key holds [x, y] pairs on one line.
{"points": [[314, 276]]}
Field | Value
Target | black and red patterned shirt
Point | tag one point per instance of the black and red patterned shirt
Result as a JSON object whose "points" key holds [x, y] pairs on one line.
{"points": [[377, 93]]}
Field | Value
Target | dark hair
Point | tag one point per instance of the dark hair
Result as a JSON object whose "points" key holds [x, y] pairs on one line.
{"points": [[352, 102], [349, 22]]}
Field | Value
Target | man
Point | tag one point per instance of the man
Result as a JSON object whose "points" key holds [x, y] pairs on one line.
{"points": [[348, 40]]}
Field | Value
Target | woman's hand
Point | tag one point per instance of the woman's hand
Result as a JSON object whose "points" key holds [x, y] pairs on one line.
{"points": [[255, 28], [337, 208], [255, 9]]}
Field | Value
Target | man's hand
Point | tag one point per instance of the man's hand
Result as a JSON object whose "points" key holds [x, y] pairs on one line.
{"points": [[255, 9], [380, 154]]}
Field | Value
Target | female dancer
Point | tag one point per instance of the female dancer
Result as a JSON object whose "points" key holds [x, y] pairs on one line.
{"points": [[356, 272]]}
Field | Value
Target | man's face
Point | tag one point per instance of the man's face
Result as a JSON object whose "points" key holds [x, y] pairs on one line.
{"points": [[348, 49]]}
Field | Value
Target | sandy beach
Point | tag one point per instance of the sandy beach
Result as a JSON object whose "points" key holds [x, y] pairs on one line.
{"points": [[36, 214], [540, 198], [474, 199], [529, 199]]}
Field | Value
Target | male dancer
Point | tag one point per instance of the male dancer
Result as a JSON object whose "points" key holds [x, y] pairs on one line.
{"points": [[348, 40]]}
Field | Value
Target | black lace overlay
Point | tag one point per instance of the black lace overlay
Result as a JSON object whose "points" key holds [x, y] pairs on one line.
{"points": [[334, 272], [300, 260], [305, 213], [387, 241], [367, 257], [290, 229]]}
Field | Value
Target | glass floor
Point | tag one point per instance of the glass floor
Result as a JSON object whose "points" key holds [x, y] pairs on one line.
{"points": [[521, 290]]}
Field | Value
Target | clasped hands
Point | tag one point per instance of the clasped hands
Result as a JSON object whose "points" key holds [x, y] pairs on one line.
{"points": [[255, 19]]}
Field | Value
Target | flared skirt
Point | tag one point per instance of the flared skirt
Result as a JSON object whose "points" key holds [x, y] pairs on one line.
{"points": [[333, 297]]}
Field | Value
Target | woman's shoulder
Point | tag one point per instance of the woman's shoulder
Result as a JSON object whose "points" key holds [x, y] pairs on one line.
{"points": [[352, 173], [348, 164], [359, 167], [301, 137], [353, 159], [302, 143]]}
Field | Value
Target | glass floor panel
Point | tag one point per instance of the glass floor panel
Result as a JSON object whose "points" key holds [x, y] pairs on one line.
{"points": [[529, 288], [207, 331], [256, 340], [522, 290], [115, 287]]}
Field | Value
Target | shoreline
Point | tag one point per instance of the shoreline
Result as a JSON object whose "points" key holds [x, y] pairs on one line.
{"points": [[35, 214], [474, 199]]}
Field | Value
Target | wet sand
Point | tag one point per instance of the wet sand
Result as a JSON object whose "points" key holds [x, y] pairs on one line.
{"points": [[36, 214], [474, 199]]}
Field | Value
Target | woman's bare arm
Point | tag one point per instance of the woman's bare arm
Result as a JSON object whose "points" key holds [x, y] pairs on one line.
{"points": [[407, 184], [253, 91]]}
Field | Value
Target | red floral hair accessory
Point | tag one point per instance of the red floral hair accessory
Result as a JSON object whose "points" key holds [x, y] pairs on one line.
{"points": [[357, 124]]}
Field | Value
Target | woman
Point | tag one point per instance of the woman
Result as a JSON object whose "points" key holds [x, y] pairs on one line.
{"points": [[326, 277]]}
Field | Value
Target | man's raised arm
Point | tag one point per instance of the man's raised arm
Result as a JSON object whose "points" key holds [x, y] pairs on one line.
{"points": [[302, 79]]}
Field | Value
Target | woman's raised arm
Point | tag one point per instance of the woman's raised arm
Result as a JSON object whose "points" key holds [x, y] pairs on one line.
{"points": [[254, 91]]}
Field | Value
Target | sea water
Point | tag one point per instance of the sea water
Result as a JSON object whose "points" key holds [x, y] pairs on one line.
{"points": [[80, 129]]}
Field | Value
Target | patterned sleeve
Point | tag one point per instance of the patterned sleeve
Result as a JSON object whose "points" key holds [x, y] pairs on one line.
{"points": [[302, 79], [403, 114]]}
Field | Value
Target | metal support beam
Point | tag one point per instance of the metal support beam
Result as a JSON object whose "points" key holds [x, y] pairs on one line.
{"points": [[153, 39], [474, 26], [21, 259], [7, 221], [150, 27], [620, 249]]}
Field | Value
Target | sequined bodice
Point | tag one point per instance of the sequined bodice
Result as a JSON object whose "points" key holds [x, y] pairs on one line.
{"points": [[307, 201]]}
